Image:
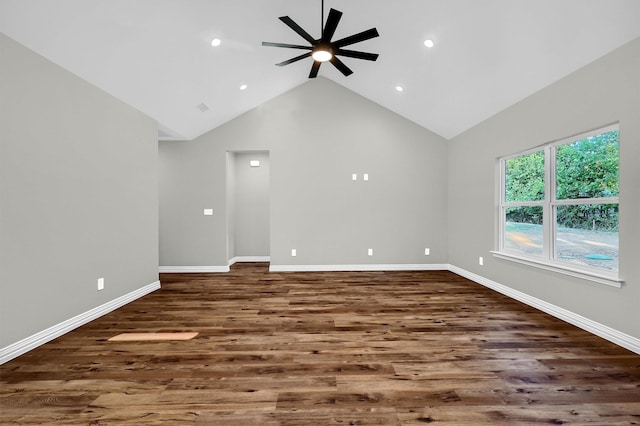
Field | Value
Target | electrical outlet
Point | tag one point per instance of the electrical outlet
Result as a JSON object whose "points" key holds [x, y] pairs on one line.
{"points": [[294, 252], [427, 252], [365, 176], [370, 252], [480, 261], [354, 176], [100, 283], [208, 212]]}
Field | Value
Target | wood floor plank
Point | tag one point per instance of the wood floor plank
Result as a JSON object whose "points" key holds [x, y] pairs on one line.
{"points": [[322, 348]]}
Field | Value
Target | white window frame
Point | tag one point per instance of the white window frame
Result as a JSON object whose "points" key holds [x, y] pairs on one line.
{"points": [[547, 260]]}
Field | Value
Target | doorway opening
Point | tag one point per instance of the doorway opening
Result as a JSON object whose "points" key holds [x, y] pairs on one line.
{"points": [[248, 206]]}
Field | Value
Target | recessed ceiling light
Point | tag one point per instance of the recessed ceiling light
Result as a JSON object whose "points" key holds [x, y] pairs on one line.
{"points": [[428, 43], [216, 42], [399, 88], [243, 87]]}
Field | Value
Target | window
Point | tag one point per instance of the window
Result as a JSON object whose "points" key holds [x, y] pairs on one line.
{"points": [[559, 206]]}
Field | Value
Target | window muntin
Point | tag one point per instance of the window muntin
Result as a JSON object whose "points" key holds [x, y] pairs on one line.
{"points": [[559, 203]]}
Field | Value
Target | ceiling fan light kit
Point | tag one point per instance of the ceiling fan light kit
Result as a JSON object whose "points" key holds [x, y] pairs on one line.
{"points": [[323, 49], [322, 53]]}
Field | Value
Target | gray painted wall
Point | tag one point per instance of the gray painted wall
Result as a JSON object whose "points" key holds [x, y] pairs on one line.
{"points": [[78, 195], [251, 204], [604, 92], [318, 135]]}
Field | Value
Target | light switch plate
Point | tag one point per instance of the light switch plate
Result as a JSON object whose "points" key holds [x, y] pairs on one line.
{"points": [[208, 212]]}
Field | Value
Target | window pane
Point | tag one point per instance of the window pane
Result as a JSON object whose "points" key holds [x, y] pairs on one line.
{"points": [[588, 168], [587, 234], [524, 177], [523, 230]]}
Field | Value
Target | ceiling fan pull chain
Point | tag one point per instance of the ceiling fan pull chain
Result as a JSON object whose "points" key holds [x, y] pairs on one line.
{"points": [[322, 19]]}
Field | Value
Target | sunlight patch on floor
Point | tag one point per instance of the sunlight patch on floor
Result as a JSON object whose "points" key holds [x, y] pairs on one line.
{"points": [[135, 337]]}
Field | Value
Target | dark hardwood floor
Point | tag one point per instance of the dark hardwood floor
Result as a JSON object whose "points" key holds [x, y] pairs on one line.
{"points": [[324, 348]]}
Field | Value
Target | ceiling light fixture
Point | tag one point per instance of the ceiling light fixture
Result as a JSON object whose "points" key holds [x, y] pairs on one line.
{"points": [[428, 43], [243, 87], [399, 88], [216, 42], [322, 53]]}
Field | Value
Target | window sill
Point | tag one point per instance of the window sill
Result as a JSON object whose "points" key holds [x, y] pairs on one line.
{"points": [[606, 279]]}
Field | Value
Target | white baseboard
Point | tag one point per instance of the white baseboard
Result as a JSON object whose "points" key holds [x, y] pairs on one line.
{"points": [[241, 259], [360, 268], [606, 332], [192, 269], [25, 345]]}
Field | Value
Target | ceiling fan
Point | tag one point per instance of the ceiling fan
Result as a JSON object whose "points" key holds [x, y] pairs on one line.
{"points": [[323, 49]]}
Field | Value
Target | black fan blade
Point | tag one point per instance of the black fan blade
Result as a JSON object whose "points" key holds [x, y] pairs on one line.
{"points": [[295, 27], [314, 69], [291, 46], [297, 58], [332, 23], [356, 38], [359, 55], [341, 66]]}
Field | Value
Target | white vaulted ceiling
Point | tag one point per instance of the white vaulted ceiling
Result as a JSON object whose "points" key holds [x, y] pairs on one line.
{"points": [[156, 55]]}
